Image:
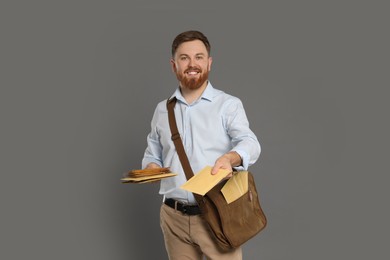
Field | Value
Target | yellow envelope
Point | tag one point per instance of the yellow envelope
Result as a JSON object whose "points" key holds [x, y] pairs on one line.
{"points": [[148, 178], [204, 181], [236, 186]]}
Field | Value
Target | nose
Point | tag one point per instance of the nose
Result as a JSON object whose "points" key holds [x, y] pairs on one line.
{"points": [[191, 62]]}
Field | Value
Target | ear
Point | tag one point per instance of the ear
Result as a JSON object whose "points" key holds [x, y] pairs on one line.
{"points": [[210, 61], [173, 65]]}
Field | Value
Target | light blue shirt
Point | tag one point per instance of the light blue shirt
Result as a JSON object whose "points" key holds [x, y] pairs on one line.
{"points": [[211, 126]]}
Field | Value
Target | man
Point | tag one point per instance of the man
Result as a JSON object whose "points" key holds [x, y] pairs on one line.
{"points": [[214, 130]]}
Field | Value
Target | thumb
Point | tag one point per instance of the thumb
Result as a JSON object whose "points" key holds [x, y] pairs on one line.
{"points": [[215, 169]]}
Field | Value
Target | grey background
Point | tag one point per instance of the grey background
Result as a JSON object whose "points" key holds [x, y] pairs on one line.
{"points": [[80, 81]]}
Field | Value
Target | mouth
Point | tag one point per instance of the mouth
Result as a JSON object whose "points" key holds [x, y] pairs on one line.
{"points": [[192, 72]]}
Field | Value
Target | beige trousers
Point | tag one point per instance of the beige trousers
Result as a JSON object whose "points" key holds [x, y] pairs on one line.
{"points": [[189, 237]]}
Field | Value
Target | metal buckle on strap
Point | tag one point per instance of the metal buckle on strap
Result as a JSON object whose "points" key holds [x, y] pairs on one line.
{"points": [[175, 136]]}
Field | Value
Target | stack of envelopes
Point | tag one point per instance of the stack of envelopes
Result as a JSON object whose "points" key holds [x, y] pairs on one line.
{"points": [[147, 175]]}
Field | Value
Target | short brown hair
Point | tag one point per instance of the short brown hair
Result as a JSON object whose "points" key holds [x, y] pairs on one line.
{"points": [[190, 36]]}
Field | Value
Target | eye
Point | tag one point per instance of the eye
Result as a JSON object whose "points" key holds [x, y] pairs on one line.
{"points": [[199, 57], [183, 58]]}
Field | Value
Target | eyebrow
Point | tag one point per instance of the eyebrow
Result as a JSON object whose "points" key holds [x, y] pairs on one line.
{"points": [[197, 54]]}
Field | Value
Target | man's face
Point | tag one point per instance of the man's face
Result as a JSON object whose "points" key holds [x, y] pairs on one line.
{"points": [[191, 64]]}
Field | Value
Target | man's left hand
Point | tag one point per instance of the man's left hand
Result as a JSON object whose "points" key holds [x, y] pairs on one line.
{"points": [[227, 162]]}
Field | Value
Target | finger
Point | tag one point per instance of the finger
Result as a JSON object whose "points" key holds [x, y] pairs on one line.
{"points": [[215, 169]]}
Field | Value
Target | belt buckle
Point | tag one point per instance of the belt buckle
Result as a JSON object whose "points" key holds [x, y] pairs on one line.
{"points": [[176, 204], [183, 208]]}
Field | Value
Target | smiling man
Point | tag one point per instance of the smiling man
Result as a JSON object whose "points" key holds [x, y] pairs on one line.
{"points": [[215, 131], [192, 64]]}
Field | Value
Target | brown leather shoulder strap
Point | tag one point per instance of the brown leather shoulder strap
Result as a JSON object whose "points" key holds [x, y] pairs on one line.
{"points": [[179, 144], [177, 139]]}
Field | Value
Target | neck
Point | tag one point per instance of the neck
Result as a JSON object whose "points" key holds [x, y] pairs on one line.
{"points": [[191, 95]]}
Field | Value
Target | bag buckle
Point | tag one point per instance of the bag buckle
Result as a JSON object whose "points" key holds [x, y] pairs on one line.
{"points": [[175, 136]]}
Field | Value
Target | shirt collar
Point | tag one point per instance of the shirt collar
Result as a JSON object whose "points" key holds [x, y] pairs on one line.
{"points": [[208, 94]]}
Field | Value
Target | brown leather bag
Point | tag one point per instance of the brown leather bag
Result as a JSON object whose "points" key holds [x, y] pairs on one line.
{"points": [[231, 224]]}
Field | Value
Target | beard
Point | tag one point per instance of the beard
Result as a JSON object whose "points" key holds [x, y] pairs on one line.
{"points": [[190, 82]]}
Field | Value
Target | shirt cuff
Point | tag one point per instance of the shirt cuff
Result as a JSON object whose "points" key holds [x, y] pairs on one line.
{"points": [[244, 160]]}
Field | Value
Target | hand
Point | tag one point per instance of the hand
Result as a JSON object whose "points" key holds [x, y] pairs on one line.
{"points": [[152, 166], [222, 162], [227, 162]]}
